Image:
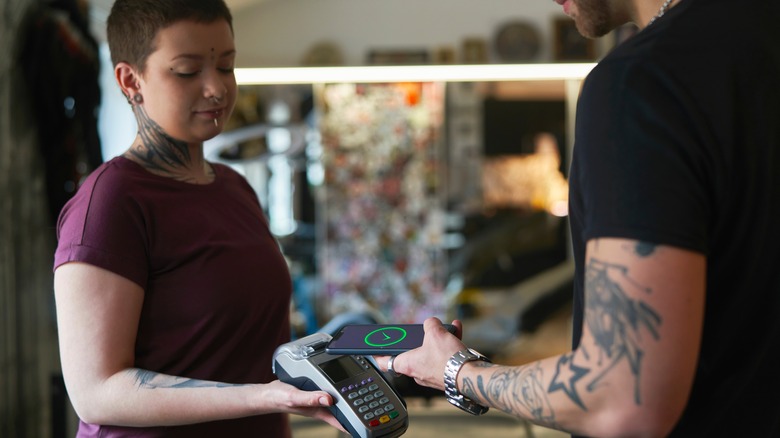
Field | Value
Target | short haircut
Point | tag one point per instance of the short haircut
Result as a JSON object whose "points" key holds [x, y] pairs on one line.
{"points": [[134, 24]]}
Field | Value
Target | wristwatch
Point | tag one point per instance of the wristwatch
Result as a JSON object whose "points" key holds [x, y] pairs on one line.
{"points": [[451, 378]]}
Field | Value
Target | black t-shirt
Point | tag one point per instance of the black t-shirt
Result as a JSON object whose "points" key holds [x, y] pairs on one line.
{"points": [[678, 143]]}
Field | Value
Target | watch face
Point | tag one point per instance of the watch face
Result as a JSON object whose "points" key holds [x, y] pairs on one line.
{"points": [[517, 41]]}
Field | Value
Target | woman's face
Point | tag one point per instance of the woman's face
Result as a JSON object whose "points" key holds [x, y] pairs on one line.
{"points": [[189, 82]]}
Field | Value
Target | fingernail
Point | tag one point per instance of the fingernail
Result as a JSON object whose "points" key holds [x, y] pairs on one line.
{"points": [[323, 401]]}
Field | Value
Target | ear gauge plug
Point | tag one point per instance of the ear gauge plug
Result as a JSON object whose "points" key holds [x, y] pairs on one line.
{"points": [[138, 99]]}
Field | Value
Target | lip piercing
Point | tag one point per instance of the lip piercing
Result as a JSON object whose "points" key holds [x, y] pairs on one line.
{"points": [[216, 123]]}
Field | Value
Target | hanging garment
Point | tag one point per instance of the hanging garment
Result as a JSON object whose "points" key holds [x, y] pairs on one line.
{"points": [[60, 61]]}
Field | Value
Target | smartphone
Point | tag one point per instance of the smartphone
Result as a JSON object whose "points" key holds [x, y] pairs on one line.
{"points": [[378, 339]]}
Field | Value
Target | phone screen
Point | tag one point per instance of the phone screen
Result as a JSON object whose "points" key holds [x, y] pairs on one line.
{"points": [[377, 339]]}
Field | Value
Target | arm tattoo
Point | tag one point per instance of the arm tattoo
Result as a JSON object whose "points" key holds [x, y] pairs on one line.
{"points": [[515, 390], [566, 376], [151, 380], [644, 249], [617, 321]]}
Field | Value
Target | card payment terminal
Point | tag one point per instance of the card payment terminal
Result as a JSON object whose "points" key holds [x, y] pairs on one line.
{"points": [[366, 405]]}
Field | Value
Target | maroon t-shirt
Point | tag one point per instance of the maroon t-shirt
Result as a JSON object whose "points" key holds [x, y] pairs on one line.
{"points": [[216, 286]]}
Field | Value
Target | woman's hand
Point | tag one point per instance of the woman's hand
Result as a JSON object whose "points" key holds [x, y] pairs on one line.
{"points": [[289, 399], [426, 363]]}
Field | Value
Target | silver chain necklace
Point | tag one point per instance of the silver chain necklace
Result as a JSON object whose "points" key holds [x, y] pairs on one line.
{"points": [[661, 12]]}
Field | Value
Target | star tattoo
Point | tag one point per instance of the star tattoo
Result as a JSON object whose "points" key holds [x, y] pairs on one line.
{"points": [[566, 366]]}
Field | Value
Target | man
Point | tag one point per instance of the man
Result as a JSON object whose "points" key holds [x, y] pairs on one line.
{"points": [[675, 194]]}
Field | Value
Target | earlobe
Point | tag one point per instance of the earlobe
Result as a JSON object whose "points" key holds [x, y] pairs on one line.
{"points": [[128, 80]]}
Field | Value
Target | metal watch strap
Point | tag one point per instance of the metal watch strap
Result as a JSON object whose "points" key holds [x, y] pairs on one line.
{"points": [[451, 378]]}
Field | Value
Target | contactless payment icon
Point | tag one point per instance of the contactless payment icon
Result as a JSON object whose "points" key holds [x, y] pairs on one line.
{"points": [[385, 336]]}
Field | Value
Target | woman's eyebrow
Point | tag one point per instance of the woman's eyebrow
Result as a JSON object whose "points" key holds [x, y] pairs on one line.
{"points": [[195, 56]]}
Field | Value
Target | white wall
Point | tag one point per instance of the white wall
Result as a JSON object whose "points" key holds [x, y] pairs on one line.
{"points": [[116, 124], [279, 33]]}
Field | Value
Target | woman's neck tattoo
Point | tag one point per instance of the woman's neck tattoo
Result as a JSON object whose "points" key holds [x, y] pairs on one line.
{"points": [[158, 150]]}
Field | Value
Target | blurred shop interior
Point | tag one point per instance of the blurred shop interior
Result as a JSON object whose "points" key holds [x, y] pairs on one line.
{"points": [[395, 199], [387, 200]]}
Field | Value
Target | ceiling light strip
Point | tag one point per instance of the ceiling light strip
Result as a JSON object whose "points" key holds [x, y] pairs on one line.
{"points": [[412, 73]]}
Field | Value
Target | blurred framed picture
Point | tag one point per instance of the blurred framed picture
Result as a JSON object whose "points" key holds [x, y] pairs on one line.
{"points": [[568, 44], [398, 57], [474, 51]]}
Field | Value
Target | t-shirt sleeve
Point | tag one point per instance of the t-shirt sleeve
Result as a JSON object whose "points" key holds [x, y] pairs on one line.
{"points": [[103, 226], [642, 168]]}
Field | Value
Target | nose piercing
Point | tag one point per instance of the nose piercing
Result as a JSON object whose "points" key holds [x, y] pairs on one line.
{"points": [[215, 99]]}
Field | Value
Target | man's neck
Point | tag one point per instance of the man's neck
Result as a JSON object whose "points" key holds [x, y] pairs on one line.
{"points": [[650, 10]]}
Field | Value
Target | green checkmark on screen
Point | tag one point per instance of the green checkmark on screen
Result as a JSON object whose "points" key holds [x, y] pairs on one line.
{"points": [[385, 336]]}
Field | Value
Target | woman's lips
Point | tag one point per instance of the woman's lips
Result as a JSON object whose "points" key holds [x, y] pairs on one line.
{"points": [[212, 113]]}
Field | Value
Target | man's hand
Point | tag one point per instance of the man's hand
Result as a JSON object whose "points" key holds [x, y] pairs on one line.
{"points": [[426, 363]]}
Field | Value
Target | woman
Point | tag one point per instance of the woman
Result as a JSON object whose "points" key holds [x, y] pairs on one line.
{"points": [[171, 292]]}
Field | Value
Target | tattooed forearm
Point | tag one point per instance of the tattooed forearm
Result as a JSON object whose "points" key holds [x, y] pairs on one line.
{"points": [[151, 380], [517, 391], [469, 389], [567, 374]]}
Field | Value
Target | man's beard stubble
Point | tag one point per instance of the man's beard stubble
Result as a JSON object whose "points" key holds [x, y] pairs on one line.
{"points": [[594, 18]]}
